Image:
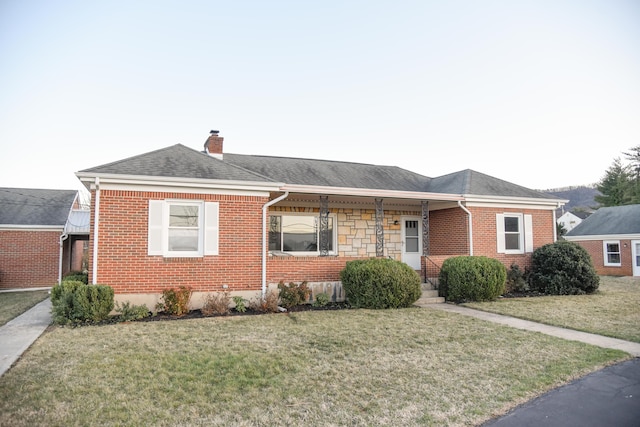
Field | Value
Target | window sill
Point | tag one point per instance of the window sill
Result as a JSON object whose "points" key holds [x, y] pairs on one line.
{"points": [[183, 259]]}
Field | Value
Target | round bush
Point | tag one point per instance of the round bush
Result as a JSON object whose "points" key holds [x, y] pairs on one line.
{"points": [[75, 303], [380, 283], [563, 268], [472, 278]]}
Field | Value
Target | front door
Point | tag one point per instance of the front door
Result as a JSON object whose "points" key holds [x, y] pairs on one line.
{"points": [[411, 241], [635, 255]]}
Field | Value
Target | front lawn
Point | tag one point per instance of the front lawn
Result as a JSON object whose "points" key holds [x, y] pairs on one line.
{"points": [[613, 310], [350, 367], [13, 304]]}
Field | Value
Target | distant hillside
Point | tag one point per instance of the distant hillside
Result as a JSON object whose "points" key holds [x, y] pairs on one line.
{"points": [[582, 197]]}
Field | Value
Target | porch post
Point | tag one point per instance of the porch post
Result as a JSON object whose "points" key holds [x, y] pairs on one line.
{"points": [[379, 228], [324, 226], [425, 228]]}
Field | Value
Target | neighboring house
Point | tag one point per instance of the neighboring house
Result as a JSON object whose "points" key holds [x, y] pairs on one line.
{"points": [[569, 220], [216, 221], [37, 240], [612, 237]]}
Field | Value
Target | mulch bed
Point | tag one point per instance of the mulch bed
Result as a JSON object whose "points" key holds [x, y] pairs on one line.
{"points": [[197, 314]]}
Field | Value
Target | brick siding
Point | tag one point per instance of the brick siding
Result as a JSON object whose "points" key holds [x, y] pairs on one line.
{"points": [[123, 262], [29, 258], [596, 250]]}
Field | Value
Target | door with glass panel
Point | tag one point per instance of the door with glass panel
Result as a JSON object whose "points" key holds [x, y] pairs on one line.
{"points": [[411, 241]]}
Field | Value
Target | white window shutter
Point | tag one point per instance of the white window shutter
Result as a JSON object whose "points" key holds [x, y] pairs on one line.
{"points": [[528, 233], [211, 220], [154, 239], [500, 233]]}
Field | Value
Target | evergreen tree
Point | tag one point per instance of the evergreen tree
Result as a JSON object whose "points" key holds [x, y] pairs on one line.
{"points": [[615, 186], [634, 169]]}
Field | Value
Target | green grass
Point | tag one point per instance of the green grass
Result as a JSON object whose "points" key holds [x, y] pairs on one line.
{"points": [[614, 310], [13, 304], [352, 367]]}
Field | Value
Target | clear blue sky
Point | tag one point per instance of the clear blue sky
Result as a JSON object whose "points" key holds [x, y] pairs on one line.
{"points": [[541, 93]]}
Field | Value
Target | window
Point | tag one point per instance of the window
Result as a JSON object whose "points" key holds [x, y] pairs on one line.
{"points": [[514, 233], [612, 253], [184, 228], [298, 234], [179, 228]]}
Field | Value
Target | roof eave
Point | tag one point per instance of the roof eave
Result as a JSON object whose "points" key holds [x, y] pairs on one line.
{"points": [[28, 227], [368, 192], [88, 178], [471, 198], [585, 237]]}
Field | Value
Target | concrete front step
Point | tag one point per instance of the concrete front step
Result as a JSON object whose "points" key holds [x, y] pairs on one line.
{"points": [[429, 295], [427, 287]]}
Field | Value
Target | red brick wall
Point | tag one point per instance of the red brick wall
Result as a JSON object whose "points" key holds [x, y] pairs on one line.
{"points": [[310, 269], [448, 232], [29, 258], [123, 262], [484, 233], [596, 250]]}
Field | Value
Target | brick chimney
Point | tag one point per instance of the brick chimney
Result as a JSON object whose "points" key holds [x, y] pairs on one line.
{"points": [[213, 145]]}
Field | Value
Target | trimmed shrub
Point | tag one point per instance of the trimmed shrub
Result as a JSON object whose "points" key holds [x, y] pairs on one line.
{"points": [[241, 304], [472, 278], [322, 300], [293, 294], [268, 304], [563, 268], [175, 301], [75, 303], [217, 303], [517, 280], [76, 276], [129, 312], [380, 283]]}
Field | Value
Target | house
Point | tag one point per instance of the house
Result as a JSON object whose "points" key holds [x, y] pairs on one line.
{"points": [[612, 236], [569, 220], [217, 221], [39, 234]]}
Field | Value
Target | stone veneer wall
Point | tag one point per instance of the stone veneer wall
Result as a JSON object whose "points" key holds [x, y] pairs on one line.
{"points": [[357, 230]]}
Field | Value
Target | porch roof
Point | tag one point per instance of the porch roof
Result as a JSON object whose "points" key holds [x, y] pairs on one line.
{"points": [[78, 222]]}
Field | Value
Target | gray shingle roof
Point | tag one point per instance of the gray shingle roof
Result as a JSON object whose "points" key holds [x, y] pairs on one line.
{"points": [[610, 221], [179, 161], [471, 182], [27, 206], [331, 173]]}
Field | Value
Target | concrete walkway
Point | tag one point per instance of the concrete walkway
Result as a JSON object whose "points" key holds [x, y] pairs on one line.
{"points": [[632, 348], [18, 334]]}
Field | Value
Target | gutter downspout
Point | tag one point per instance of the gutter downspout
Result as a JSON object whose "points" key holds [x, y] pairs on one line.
{"points": [[264, 239], [94, 269], [63, 237], [555, 222], [470, 226]]}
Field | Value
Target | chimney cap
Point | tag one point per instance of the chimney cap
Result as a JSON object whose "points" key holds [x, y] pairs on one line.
{"points": [[214, 132]]}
